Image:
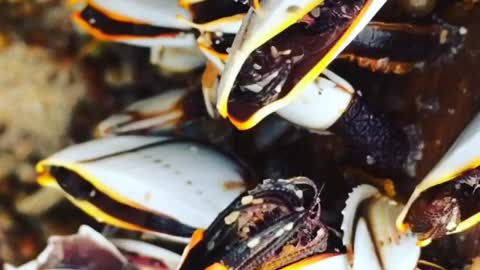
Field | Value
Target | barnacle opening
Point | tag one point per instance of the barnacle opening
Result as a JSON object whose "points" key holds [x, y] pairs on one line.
{"points": [[105, 27], [209, 11], [449, 207], [105, 208]]}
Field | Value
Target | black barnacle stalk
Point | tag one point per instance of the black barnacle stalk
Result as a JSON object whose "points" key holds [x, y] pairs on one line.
{"points": [[386, 47], [373, 135]]}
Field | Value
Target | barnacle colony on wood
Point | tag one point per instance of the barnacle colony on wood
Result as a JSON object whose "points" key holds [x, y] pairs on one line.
{"points": [[266, 57]]}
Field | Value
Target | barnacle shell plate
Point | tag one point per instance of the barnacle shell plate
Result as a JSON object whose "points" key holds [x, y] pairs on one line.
{"points": [[161, 13], [370, 235], [157, 174], [320, 104], [161, 111]]}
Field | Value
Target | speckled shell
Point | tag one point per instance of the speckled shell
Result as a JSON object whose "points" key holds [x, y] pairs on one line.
{"points": [[464, 154], [260, 26]]}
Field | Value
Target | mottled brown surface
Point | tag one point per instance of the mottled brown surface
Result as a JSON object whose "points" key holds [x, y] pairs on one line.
{"points": [[454, 87]]}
